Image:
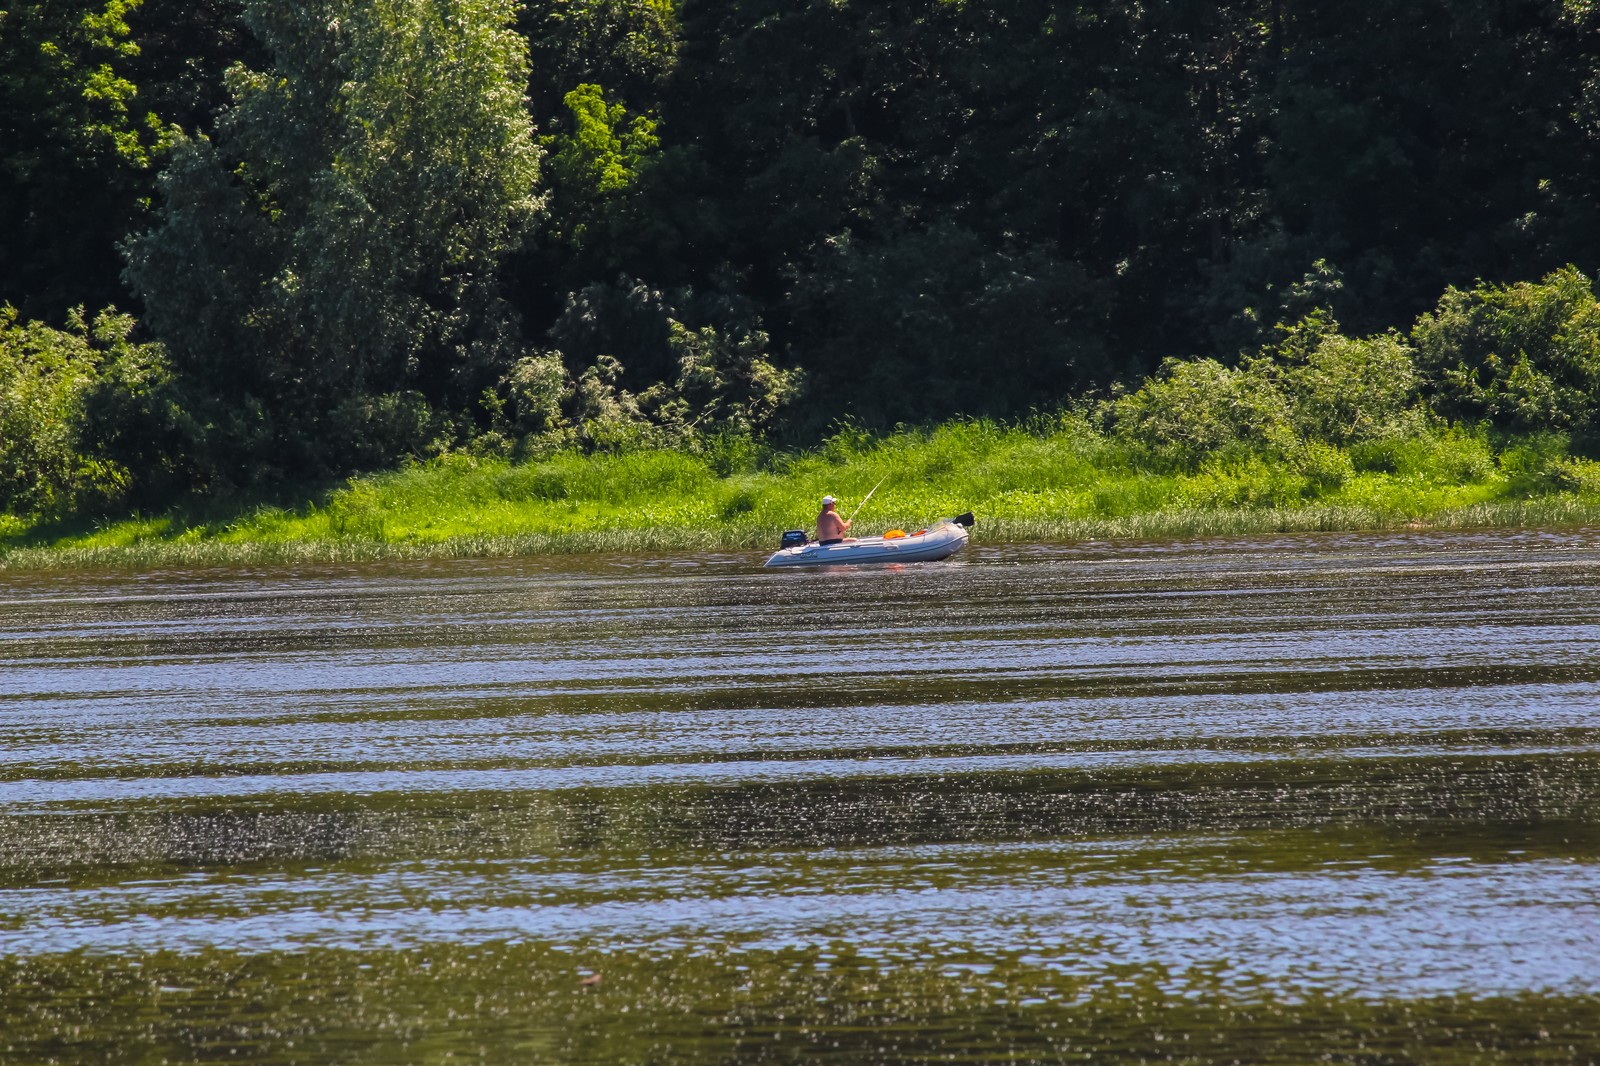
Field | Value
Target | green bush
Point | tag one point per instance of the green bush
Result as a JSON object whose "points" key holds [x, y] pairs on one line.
{"points": [[1539, 463], [1344, 389], [373, 428], [1190, 409], [1297, 402], [84, 413], [527, 399], [1526, 357], [1570, 474], [731, 452], [1324, 466], [725, 382], [1243, 481], [1449, 456]]}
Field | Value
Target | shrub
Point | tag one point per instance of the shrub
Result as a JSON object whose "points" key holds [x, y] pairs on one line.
{"points": [[1452, 456], [725, 382], [1324, 467], [77, 407], [1345, 389], [1187, 410], [731, 452], [373, 428], [1539, 463], [1299, 402], [1526, 357], [1242, 481], [1580, 476], [526, 401]]}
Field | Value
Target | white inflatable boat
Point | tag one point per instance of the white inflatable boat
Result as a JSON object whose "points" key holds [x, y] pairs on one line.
{"points": [[940, 540]]}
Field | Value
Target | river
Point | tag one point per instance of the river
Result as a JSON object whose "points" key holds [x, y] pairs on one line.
{"points": [[1308, 798]]}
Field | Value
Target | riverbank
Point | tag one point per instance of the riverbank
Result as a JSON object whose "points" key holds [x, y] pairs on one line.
{"points": [[1060, 481]]}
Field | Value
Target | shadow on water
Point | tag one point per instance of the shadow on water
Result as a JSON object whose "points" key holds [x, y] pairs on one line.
{"points": [[522, 1003], [1296, 799]]}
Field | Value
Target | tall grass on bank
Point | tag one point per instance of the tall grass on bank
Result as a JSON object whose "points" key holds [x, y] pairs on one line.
{"points": [[1059, 479]]}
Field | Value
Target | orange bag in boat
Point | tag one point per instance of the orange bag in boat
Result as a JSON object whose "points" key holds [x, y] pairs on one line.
{"points": [[894, 533]]}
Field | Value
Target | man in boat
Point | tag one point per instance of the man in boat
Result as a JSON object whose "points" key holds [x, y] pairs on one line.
{"points": [[831, 528]]}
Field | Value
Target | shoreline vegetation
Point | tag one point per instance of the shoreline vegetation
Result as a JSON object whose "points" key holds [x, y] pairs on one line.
{"points": [[1051, 480], [1319, 430], [490, 278]]}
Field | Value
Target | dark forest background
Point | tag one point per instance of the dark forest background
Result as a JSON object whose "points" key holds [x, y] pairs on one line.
{"points": [[345, 233]]}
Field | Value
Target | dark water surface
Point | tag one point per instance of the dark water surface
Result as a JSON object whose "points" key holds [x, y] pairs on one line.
{"points": [[1272, 800]]}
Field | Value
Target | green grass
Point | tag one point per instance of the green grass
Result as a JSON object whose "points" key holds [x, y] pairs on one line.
{"points": [[1059, 481]]}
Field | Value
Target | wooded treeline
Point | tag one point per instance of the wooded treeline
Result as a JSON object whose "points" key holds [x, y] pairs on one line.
{"points": [[350, 231]]}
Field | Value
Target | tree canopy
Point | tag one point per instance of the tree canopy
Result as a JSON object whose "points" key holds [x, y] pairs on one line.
{"points": [[365, 230]]}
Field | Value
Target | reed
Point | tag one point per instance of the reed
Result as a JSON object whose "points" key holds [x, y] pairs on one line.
{"points": [[1060, 480]]}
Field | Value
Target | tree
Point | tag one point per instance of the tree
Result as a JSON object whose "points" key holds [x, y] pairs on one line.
{"points": [[76, 151], [595, 166], [932, 323], [629, 46], [1405, 145], [331, 260]]}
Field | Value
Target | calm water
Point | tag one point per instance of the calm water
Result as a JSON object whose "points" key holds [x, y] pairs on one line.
{"points": [[1265, 800]]}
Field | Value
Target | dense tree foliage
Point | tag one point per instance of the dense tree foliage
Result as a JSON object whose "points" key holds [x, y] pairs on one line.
{"points": [[75, 151], [329, 264], [89, 93], [387, 228]]}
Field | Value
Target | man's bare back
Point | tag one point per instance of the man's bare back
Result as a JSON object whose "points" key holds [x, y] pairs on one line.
{"points": [[830, 527]]}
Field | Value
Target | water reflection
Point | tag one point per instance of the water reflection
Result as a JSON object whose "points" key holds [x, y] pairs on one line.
{"points": [[1494, 928], [1282, 781]]}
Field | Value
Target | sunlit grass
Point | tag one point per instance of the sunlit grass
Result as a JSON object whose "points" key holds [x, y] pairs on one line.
{"points": [[1059, 482]]}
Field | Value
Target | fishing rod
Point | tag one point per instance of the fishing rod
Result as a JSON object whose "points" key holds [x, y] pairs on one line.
{"points": [[865, 498]]}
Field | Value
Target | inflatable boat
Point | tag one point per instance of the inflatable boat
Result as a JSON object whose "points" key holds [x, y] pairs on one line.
{"points": [[940, 540]]}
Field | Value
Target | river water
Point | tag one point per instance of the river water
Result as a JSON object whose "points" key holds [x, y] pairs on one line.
{"points": [[1306, 798]]}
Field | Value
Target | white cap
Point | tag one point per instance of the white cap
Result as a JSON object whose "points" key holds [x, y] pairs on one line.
{"points": [[827, 500]]}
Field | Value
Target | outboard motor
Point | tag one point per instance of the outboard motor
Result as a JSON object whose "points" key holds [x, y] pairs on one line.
{"points": [[964, 520], [794, 538]]}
